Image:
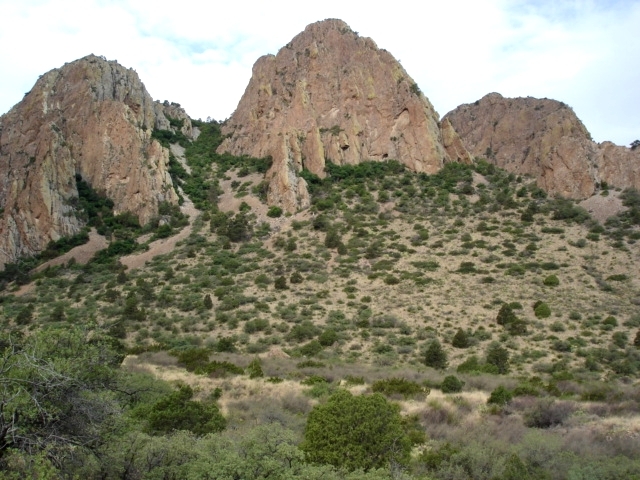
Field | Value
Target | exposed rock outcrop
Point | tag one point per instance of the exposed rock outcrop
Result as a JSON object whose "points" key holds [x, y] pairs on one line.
{"points": [[91, 117], [331, 94], [543, 138]]}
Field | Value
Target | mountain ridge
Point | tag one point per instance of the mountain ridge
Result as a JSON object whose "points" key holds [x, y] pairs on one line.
{"points": [[328, 95]]}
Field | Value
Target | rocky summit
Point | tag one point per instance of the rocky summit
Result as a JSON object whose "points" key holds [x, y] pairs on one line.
{"points": [[92, 118], [545, 139], [331, 95]]}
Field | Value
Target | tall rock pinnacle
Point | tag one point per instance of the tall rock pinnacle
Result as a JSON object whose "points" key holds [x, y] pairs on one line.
{"points": [[332, 95], [91, 117]]}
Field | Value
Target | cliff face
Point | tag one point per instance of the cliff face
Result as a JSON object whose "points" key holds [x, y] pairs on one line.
{"points": [[91, 117], [545, 139], [331, 94]]}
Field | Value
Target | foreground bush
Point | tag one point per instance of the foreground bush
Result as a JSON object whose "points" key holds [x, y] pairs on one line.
{"points": [[356, 432]]}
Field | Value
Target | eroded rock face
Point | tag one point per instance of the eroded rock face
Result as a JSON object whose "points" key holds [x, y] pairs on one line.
{"points": [[543, 138], [91, 117], [331, 94]]}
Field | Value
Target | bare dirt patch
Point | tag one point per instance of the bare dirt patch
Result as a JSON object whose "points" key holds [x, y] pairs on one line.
{"points": [[601, 208], [81, 253], [164, 245]]}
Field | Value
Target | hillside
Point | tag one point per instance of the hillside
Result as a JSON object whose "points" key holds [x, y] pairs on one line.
{"points": [[333, 284], [361, 287]]}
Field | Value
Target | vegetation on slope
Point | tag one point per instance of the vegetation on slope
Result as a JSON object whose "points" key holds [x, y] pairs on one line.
{"points": [[483, 313]]}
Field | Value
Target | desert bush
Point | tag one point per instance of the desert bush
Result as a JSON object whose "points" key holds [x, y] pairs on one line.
{"points": [[193, 359], [551, 281], [254, 369], [541, 310], [328, 337], [398, 386], [311, 349], [498, 356], [460, 339], [451, 384], [548, 412], [505, 315], [367, 426], [177, 411], [280, 283], [303, 331], [435, 356], [500, 396], [274, 211]]}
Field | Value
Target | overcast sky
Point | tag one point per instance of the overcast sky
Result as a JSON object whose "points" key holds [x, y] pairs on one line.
{"points": [[200, 53]]}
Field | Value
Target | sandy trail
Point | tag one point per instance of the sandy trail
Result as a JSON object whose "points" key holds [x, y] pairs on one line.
{"points": [[164, 245], [82, 254]]}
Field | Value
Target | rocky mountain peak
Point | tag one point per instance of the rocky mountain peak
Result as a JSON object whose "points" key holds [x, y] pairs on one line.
{"points": [[543, 138], [91, 117], [332, 95]]}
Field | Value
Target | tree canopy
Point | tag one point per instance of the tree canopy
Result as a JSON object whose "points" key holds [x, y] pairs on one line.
{"points": [[356, 432]]}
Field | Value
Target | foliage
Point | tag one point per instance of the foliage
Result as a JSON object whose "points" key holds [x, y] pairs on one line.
{"points": [[274, 211], [398, 386], [551, 281], [500, 396], [254, 369], [460, 339], [505, 315], [356, 432], [541, 310], [177, 411], [328, 337], [498, 356], [56, 391], [435, 356], [451, 384]]}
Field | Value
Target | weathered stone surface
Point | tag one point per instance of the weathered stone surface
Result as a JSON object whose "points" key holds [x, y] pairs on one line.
{"points": [[331, 94], [91, 117], [543, 138]]}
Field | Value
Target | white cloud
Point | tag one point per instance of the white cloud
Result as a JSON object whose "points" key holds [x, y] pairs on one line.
{"points": [[200, 53]]}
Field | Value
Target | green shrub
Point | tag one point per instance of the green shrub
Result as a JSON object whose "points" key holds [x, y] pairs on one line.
{"points": [[177, 411], [328, 337], [254, 369], [547, 413], [311, 349], [498, 356], [274, 211], [460, 339], [398, 386], [280, 283], [368, 427], [193, 358], [505, 315], [542, 310], [500, 396], [435, 356], [391, 280], [551, 281], [451, 384]]}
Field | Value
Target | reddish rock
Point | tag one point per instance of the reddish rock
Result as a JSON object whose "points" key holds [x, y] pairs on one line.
{"points": [[543, 138], [332, 95], [91, 117]]}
